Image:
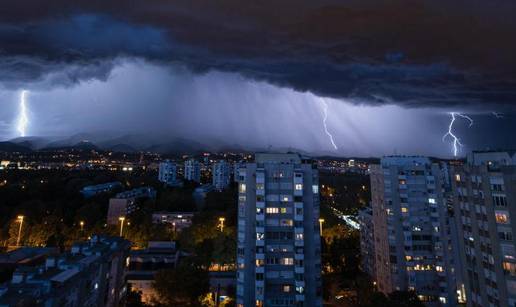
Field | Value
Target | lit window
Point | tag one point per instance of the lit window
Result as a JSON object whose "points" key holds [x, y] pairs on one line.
{"points": [[299, 186], [431, 201], [457, 177], [286, 288], [299, 236], [283, 210], [271, 210], [404, 210], [259, 262], [315, 189], [260, 236], [242, 188], [287, 261], [502, 217], [439, 268]]}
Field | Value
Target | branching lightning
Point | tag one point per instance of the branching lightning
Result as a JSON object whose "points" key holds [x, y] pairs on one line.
{"points": [[325, 111], [455, 140], [23, 119]]}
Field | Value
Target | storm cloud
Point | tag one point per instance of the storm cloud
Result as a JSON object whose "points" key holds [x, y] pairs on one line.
{"points": [[443, 54]]}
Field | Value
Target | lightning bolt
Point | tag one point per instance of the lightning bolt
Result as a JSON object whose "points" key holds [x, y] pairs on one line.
{"points": [[325, 112], [23, 119], [497, 115], [455, 140]]}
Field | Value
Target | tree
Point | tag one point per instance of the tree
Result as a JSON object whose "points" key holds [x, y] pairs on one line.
{"points": [[134, 299], [395, 299], [182, 286]]}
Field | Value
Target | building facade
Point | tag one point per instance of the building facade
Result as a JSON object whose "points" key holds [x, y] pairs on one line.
{"points": [[168, 173], [221, 175], [413, 237], [365, 220], [125, 203], [279, 247], [485, 211], [91, 274], [192, 170]]}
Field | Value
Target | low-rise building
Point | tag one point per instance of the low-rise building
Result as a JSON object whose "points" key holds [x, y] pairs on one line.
{"points": [[92, 190], [177, 220], [143, 265]]}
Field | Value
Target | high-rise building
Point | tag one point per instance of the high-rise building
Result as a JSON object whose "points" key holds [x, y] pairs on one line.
{"points": [[192, 170], [365, 220], [485, 210], [168, 173], [221, 175], [413, 233], [279, 247]]}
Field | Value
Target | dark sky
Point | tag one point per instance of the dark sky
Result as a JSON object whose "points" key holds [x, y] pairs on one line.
{"points": [[260, 73]]}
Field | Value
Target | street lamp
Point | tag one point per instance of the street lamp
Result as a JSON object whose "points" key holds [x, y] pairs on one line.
{"points": [[81, 223], [20, 219], [321, 221], [221, 225], [121, 219]]}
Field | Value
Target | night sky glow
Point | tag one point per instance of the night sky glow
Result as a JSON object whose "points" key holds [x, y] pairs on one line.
{"points": [[326, 78]]}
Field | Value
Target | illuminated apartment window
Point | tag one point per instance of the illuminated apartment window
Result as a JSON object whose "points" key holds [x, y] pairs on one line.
{"points": [[287, 261], [502, 217], [315, 189], [439, 268], [286, 288], [260, 236], [404, 210], [299, 236], [259, 262], [272, 210], [432, 201], [457, 177], [283, 210], [299, 186], [241, 188]]}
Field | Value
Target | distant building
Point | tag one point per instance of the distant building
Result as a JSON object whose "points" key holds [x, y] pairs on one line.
{"points": [[485, 209], [125, 203], [91, 274], [177, 220], [168, 173], [200, 193], [365, 218], [413, 230], [221, 175], [192, 170], [278, 242], [92, 190], [143, 265]]}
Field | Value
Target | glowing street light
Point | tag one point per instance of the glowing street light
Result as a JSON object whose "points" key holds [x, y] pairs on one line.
{"points": [[221, 223], [81, 223], [20, 219], [121, 219], [321, 221]]}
